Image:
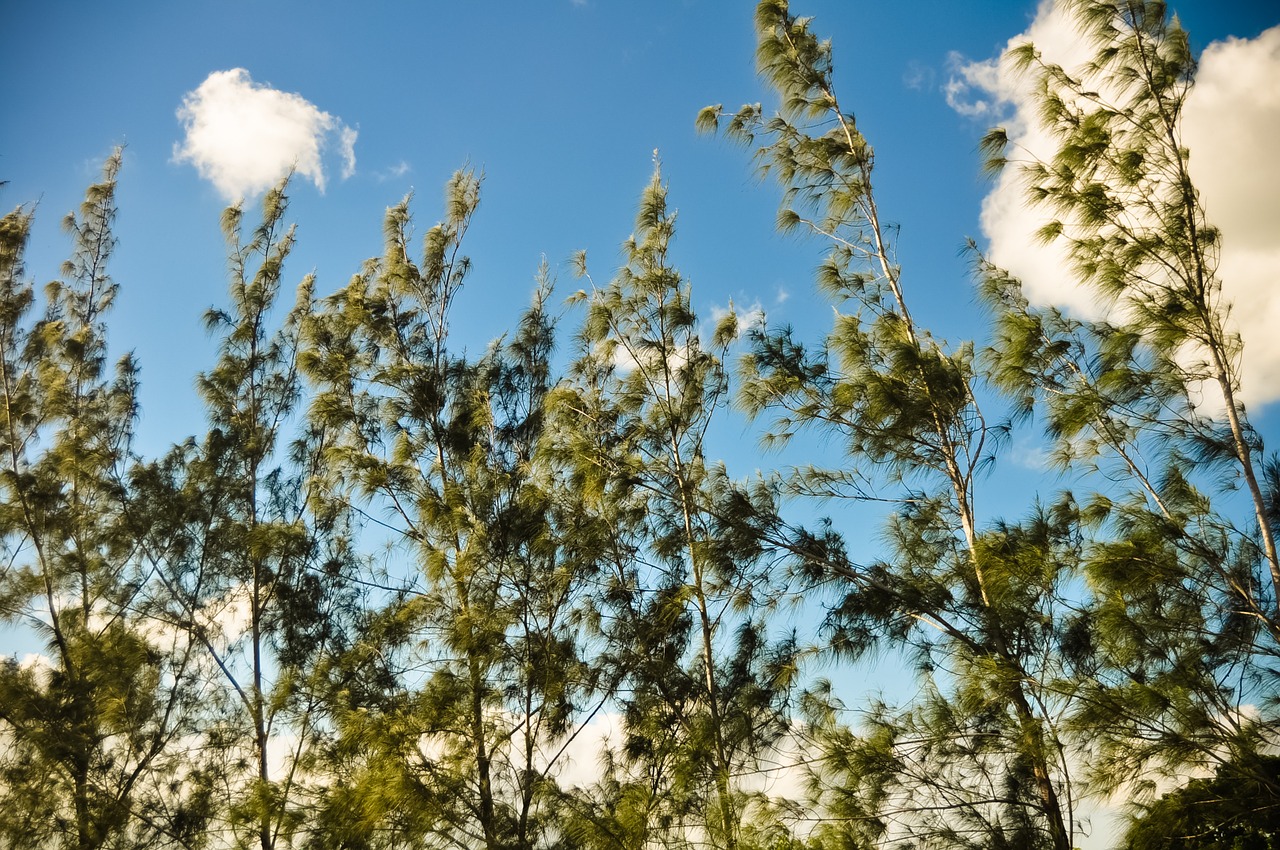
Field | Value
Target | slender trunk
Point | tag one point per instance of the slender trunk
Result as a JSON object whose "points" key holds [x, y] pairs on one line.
{"points": [[484, 778], [84, 837], [258, 703], [1034, 745], [259, 716], [723, 790]]}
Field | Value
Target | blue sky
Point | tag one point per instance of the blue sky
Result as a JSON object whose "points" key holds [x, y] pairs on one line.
{"points": [[561, 104]]}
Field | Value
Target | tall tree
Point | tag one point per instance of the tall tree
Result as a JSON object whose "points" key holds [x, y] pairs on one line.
{"points": [[980, 757], [704, 685], [87, 726], [481, 676], [1176, 651], [256, 583]]}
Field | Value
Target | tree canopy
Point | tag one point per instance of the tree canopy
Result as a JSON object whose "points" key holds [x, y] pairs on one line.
{"points": [[403, 594]]}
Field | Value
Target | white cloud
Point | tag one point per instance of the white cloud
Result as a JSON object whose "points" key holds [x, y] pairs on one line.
{"points": [[969, 82], [347, 141], [395, 172], [244, 136], [918, 77], [37, 662], [1029, 454], [1008, 97], [582, 761], [752, 317], [627, 359], [1230, 123]]}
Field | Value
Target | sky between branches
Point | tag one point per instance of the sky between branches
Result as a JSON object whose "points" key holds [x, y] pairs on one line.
{"points": [[562, 105]]}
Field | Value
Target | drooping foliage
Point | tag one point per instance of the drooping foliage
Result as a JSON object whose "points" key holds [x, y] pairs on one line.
{"points": [[400, 594], [685, 608], [91, 728], [979, 757], [1176, 645]]}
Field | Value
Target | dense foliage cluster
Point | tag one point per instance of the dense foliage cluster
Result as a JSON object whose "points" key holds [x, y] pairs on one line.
{"points": [[230, 660]]}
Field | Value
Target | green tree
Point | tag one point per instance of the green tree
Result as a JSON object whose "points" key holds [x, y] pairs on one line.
{"points": [[87, 731], [703, 684], [1133, 626], [256, 583], [1233, 809], [979, 759], [1178, 642], [481, 680]]}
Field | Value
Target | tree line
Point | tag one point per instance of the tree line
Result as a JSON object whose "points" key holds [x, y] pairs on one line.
{"points": [[231, 660]]}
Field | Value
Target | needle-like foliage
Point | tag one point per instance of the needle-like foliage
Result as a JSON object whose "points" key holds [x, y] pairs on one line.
{"points": [[979, 756], [1175, 651], [704, 684], [87, 727]]}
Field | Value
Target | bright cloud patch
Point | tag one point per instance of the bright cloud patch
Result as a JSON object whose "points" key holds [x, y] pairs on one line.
{"points": [[994, 92], [1230, 123], [243, 136]]}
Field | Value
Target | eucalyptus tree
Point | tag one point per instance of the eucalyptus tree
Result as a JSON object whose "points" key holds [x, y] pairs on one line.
{"points": [[703, 684], [256, 583], [88, 726], [482, 683], [1176, 655], [979, 759]]}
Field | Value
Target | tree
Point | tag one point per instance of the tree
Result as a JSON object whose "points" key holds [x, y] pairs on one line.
{"points": [[981, 757], [1231, 809], [87, 729], [1132, 626], [481, 677], [1179, 638], [704, 686], [251, 579]]}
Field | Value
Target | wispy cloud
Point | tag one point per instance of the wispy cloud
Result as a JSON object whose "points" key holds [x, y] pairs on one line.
{"points": [[917, 76], [1029, 454], [745, 320], [1230, 122], [243, 136], [395, 172], [972, 88]]}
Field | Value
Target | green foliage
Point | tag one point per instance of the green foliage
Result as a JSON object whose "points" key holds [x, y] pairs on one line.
{"points": [[228, 663], [87, 730], [1236, 809], [1178, 638], [483, 661], [1005, 643], [256, 585], [703, 683]]}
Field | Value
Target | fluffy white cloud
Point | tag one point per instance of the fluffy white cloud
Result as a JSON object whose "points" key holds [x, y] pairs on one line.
{"points": [[243, 136], [1230, 123], [994, 91]]}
